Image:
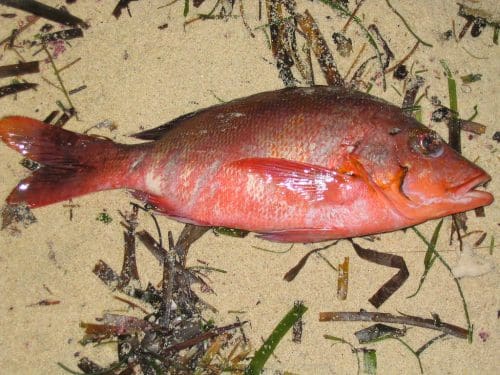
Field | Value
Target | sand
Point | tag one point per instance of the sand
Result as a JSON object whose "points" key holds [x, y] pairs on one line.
{"points": [[138, 75]]}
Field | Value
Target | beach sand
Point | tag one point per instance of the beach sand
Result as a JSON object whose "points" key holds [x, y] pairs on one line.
{"points": [[140, 76]]}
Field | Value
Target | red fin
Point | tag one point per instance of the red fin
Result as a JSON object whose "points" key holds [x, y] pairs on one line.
{"points": [[161, 205], [301, 235], [71, 163], [308, 180]]}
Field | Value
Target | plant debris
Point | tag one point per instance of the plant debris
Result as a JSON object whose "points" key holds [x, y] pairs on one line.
{"points": [[469, 78], [429, 257], [365, 316], [344, 44], [447, 266], [477, 18], [298, 326], [262, 355], [377, 332], [389, 260], [122, 4], [45, 302], [343, 279], [369, 361], [320, 49], [104, 217], [67, 34], [294, 271], [14, 88], [174, 337], [496, 136], [14, 214], [39, 9], [19, 69]]}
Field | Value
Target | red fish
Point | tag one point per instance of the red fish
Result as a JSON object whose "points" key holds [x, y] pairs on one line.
{"points": [[294, 165]]}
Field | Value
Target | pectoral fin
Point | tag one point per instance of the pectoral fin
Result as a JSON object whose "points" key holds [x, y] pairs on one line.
{"points": [[309, 181]]}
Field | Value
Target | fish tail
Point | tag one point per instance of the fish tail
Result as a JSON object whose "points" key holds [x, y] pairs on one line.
{"points": [[71, 164]]}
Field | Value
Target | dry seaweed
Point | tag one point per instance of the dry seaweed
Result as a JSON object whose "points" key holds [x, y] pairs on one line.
{"points": [[19, 69], [107, 275], [387, 56], [190, 233], [77, 89], [280, 42], [403, 60], [65, 116], [411, 94], [469, 78], [62, 35], [377, 332], [443, 113], [45, 11], [45, 302], [298, 325], [343, 279], [366, 316], [496, 136], [122, 4], [344, 44], [454, 140], [294, 271], [14, 88], [129, 273], [388, 260], [353, 14], [478, 19], [14, 214], [320, 49], [158, 342]]}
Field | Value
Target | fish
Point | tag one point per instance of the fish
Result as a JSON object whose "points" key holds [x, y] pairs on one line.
{"points": [[303, 164]]}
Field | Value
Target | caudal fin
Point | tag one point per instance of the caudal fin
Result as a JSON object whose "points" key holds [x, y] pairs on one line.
{"points": [[71, 164]]}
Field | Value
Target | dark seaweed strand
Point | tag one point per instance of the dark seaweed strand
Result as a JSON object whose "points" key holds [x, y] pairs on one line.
{"points": [[122, 4], [15, 88], [320, 49], [366, 316], [45, 11], [278, 45], [19, 69], [388, 260]]}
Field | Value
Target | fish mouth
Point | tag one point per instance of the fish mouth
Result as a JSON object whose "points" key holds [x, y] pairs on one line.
{"points": [[469, 190]]}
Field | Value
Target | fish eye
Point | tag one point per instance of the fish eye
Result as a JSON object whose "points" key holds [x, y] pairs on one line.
{"points": [[428, 144]]}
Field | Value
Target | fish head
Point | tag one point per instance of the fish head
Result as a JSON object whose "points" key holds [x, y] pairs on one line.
{"points": [[430, 179]]}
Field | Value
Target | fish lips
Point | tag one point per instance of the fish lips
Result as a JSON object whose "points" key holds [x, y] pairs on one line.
{"points": [[468, 194]]}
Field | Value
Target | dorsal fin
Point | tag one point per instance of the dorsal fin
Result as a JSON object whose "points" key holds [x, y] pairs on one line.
{"points": [[160, 131]]}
